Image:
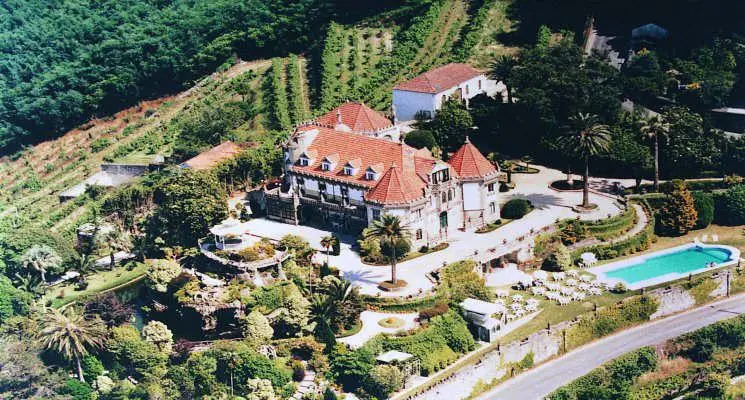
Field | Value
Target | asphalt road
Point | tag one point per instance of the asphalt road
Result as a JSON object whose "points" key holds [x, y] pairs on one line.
{"points": [[539, 382]]}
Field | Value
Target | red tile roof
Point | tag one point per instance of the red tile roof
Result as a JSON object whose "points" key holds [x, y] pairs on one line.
{"points": [[357, 116], [213, 156], [394, 187], [468, 162], [439, 79], [364, 151]]}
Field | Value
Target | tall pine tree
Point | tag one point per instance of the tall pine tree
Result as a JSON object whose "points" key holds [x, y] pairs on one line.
{"points": [[679, 214]]}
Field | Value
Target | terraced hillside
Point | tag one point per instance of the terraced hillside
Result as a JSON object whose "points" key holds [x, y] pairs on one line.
{"points": [[30, 183], [252, 102]]}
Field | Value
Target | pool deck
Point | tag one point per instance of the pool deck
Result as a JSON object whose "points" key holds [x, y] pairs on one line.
{"points": [[600, 271]]}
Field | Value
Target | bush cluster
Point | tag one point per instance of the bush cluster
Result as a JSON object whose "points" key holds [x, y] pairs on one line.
{"points": [[516, 208], [610, 319], [611, 381]]}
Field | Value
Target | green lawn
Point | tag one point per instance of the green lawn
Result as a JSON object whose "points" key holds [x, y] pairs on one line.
{"points": [[98, 282]]}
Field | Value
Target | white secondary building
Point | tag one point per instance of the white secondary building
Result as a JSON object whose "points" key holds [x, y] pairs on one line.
{"points": [[425, 93]]}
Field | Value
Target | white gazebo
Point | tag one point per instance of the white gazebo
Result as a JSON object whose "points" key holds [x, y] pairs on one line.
{"points": [[232, 234]]}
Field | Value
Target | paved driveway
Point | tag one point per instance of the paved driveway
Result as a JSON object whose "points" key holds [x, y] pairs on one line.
{"points": [[539, 382], [550, 206]]}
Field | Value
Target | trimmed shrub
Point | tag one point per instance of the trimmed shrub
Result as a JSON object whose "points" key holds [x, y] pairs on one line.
{"points": [[730, 210], [420, 139], [429, 313], [704, 203], [516, 208]]}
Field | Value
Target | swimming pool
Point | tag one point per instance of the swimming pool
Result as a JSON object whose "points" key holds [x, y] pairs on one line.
{"points": [[667, 265]]}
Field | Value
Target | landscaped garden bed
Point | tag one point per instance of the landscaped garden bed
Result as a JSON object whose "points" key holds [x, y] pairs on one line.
{"points": [[563, 185]]}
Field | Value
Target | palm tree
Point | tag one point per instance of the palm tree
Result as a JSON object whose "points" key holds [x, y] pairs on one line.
{"points": [[30, 283], [328, 242], [654, 128], [71, 334], [502, 70], [389, 228], [41, 258], [322, 309], [338, 290], [587, 138], [116, 241]]}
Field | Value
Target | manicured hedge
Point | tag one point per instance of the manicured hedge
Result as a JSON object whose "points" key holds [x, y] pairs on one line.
{"points": [[516, 208], [400, 305], [639, 242], [704, 203], [730, 206], [612, 227]]}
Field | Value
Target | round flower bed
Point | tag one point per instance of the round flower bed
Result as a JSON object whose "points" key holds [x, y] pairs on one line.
{"points": [[564, 185], [389, 286], [391, 322]]}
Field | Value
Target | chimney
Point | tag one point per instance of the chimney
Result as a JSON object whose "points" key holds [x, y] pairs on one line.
{"points": [[408, 160], [338, 116]]}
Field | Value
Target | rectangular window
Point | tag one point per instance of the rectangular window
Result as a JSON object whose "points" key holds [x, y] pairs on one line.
{"points": [[300, 181], [450, 194], [321, 186], [491, 187], [376, 214], [479, 84], [445, 175], [419, 234], [304, 161], [325, 166], [467, 90], [348, 171], [493, 207], [370, 175]]}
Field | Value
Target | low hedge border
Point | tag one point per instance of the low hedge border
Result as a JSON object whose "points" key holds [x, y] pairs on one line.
{"points": [[639, 242]]}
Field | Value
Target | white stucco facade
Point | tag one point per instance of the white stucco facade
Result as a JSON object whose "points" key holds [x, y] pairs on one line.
{"points": [[407, 103]]}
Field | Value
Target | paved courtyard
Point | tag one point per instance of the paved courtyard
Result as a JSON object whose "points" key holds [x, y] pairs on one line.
{"points": [[370, 327], [549, 206]]}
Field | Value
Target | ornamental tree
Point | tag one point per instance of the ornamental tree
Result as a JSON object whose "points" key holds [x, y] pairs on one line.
{"points": [[158, 333], [161, 272], [259, 389], [679, 214], [189, 203], [256, 327]]}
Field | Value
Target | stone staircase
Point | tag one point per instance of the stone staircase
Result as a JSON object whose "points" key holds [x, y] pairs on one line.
{"points": [[307, 385]]}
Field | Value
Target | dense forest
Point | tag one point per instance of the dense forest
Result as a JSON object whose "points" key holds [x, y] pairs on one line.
{"points": [[62, 63]]}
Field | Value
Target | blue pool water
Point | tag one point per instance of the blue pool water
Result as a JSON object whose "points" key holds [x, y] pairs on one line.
{"points": [[680, 262]]}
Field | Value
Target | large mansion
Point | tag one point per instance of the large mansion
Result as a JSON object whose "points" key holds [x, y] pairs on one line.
{"points": [[346, 172]]}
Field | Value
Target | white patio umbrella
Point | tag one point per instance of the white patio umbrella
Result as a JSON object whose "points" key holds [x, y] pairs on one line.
{"points": [[584, 287], [578, 296], [571, 282], [573, 273], [502, 293], [559, 276], [566, 291], [540, 275], [531, 307], [588, 259], [585, 278], [517, 298]]}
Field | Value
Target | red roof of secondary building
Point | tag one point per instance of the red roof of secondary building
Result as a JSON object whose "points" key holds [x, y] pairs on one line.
{"points": [[395, 187], [468, 162], [362, 152], [213, 156], [440, 79], [357, 116]]}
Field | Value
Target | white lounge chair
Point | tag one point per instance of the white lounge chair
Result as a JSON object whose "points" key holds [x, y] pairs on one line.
{"points": [[714, 237]]}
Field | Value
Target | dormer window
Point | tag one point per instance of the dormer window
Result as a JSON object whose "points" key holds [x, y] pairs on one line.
{"points": [[370, 175], [304, 161], [348, 170], [326, 166]]}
